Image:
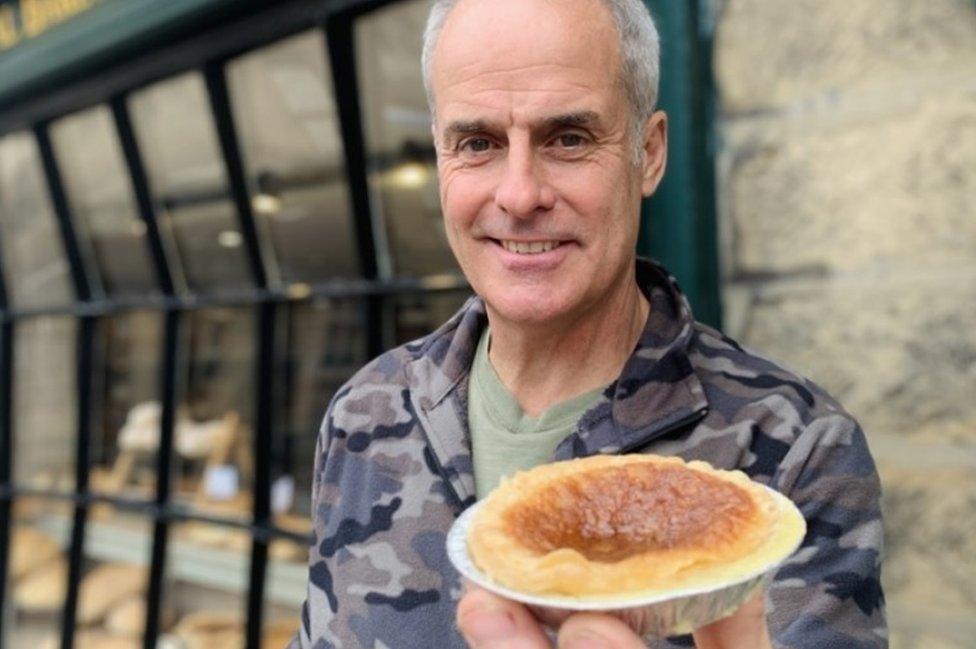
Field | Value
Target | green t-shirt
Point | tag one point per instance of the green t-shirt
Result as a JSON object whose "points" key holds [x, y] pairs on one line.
{"points": [[503, 438]]}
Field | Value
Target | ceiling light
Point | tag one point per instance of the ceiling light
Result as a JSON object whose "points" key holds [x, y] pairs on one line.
{"points": [[299, 291], [267, 204], [230, 239], [410, 175]]}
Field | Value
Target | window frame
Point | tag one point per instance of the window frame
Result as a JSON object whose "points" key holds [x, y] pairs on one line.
{"points": [[209, 55]]}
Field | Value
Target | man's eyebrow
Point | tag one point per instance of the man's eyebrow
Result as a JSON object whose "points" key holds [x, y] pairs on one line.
{"points": [[578, 118], [466, 127], [575, 118]]}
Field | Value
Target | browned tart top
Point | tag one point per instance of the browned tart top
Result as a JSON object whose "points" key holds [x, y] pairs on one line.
{"points": [[613, 513]]}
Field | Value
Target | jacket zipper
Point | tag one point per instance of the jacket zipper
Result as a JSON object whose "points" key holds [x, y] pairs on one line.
{"points": [[684, 422]]}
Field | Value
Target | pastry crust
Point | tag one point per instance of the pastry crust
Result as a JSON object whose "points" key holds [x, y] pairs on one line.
{"points": [[107, 585], [211, 630], [128, 618], [94, 639], [30, 548], [43, 589], [278, 633], [624, 525]]}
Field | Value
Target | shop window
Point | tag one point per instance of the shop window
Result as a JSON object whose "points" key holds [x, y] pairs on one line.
{"points": [[284, 592], [292, 153], [175, 130], [326, 344], [415, 316], [206, 583], [126, 423], [212, 435], [31, 249], [102, 202], [400, 148], [293, 159], [45, 397], [111, 610], [37, 573]]}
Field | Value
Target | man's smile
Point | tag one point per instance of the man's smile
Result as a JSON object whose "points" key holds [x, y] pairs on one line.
{"points": [[528, 247], [531, 254]]}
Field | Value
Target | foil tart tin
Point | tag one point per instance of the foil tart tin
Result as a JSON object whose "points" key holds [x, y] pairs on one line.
{"points": [[655, 613]]}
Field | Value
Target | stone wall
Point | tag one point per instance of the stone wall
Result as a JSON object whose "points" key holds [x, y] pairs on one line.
{"points": [[847, 175]]}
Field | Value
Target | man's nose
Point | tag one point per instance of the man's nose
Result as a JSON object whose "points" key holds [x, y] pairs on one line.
{"points": [[523, 190]]}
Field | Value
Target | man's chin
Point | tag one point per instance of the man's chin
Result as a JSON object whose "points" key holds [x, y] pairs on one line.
{"points": [[527, 310]]}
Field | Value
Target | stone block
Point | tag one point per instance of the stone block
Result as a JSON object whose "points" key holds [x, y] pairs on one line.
{"points": [[900, 355], [770, 53], [924, 640], [929, 572], [892, 190]]}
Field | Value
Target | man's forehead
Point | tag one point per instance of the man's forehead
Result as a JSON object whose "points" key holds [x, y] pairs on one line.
{"points": [[507, 39]]}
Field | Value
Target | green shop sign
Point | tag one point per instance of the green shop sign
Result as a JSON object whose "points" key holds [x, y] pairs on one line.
{"points": [[22, 20]]}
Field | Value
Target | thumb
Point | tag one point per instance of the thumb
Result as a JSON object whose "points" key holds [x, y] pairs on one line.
{"points": [[597, 631], [490, 622]]}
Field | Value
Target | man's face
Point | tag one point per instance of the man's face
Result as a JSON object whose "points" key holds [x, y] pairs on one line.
{"points": [[537, 177]]}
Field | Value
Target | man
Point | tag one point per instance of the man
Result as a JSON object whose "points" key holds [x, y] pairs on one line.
{"points": [[547, 140]]}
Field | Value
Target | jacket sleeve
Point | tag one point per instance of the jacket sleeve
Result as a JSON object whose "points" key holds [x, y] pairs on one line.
{"points": [[828, 595], [317, 606]]}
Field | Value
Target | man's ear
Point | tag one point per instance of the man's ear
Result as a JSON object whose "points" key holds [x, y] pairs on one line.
{"points": [[655, 147]]}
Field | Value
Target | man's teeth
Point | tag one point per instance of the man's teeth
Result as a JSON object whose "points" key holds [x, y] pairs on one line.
{"points": [[529, 247]]}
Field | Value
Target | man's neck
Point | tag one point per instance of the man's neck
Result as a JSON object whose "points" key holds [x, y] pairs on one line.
{"points": [[544, 366]]}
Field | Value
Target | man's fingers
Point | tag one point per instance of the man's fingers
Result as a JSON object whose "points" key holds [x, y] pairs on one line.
{"points": [[746, 628], [491, 622], [596, 631]]}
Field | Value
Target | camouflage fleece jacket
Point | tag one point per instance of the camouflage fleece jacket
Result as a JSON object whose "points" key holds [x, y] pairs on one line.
{"points": [[393, 471]]}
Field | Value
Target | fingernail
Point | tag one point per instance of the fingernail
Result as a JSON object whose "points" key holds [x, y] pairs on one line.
{"points": [[587, 640], [488, 626]]}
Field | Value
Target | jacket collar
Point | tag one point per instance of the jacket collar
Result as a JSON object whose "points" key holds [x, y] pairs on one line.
{"points": [[656, 392]]}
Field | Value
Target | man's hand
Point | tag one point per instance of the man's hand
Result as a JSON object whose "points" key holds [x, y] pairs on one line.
{"points": [[491, 622], [745, 628]]}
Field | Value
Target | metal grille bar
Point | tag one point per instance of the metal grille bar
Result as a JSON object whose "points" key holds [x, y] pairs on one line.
{"points": [[169, 377], [340, 40], [140, 186]]}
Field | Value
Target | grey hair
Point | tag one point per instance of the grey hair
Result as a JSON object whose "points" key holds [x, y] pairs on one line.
{"points": [[640, 51]]}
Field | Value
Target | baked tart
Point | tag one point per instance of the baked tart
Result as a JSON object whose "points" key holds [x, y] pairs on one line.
{"points": [[629, 526]]}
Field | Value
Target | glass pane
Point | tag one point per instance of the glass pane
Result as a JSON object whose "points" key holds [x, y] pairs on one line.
{"points": [[416, 316], [403, 174], [125, 431], [206, 586], [34, 263], [45, 403], [287, 125], [179, 146], [284, 592], [212, 438], [100, 195], [326, 345], [37, 573], [111, 609]]}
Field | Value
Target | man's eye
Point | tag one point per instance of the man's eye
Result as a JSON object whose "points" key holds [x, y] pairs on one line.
{"points": [[570, 140], [476, 145]]}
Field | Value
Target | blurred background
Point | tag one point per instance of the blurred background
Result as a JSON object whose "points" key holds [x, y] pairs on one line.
{"points": [[212, 212]]}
